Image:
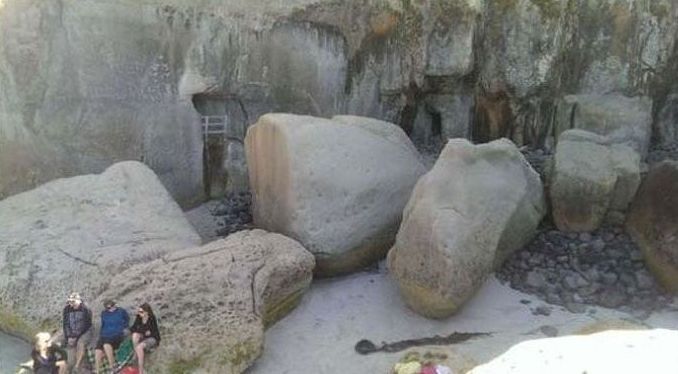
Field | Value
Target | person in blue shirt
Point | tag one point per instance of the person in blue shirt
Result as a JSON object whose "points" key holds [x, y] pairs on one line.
{"points": [[114, 323]]}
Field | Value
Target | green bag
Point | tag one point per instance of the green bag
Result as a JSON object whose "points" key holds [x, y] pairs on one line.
{"points": [[124, 356]]}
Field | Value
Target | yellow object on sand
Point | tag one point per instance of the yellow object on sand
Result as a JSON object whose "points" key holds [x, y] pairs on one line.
{"points": [[408, 368]]}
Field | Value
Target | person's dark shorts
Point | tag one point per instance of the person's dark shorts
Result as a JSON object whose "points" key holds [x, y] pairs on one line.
{"points": [[114, 342]]}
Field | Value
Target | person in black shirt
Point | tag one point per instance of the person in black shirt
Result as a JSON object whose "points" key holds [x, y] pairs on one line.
{"points": [[145, 334], [47, 358]]}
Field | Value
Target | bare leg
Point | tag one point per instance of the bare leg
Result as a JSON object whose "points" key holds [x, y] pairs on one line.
{"points": [[139, 350], [62, 366], [136, 337], [98, 356], [109, 354]]}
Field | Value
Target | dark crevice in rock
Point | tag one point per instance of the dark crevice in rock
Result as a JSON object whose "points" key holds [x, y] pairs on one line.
{"points": [[76, 258]]}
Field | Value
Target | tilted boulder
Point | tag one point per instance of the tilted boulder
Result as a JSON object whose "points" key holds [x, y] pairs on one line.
{"points": [[652, 222], [213, 302], [478, 204], [74, 234], [591, 175], [623, 120], [620, 352], [337, 186]]}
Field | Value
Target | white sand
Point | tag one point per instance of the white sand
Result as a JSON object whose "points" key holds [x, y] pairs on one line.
{"points": [[320, 335]]}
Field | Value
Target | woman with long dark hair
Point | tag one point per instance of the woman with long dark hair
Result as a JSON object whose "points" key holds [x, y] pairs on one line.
{"points": [[145, 334]]}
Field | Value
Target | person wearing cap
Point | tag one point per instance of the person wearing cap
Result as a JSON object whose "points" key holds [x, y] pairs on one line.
{"points": [[114, 324], [77, 324]]}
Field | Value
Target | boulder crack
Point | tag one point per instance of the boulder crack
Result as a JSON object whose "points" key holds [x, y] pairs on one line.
{"points": [[76, 258]]}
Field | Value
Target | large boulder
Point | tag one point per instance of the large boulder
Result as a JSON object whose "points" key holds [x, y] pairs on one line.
{"points": [[337, 186], [77, 233], [652, 222], [478, 204], [623, 120], [591, 175], [214, 301], [619, 352]]}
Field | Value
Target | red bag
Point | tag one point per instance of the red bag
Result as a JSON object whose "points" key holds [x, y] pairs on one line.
{"points": [[129, 370]]}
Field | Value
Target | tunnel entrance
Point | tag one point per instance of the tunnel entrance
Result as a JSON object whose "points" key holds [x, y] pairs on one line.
{"points": [[223, 127]]}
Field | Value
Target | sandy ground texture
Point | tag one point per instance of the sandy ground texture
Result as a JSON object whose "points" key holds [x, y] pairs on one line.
{"points": [[320, 335]]}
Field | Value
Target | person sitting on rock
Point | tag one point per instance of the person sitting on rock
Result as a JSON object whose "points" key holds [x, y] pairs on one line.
{"points": [[145, 334], [114, 323], [77, 324], [47, 357]]}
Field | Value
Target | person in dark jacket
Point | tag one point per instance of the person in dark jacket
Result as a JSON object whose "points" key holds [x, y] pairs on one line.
{"points": [[114, 324], [47, 357], [77, 324], [145, 333]]}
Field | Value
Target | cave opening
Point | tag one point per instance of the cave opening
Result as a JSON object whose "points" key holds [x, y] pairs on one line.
{"points": [[222, 119]]}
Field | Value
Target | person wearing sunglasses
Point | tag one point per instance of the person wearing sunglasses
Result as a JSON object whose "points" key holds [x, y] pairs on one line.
{"points": [[145, 334], [114, 323]]}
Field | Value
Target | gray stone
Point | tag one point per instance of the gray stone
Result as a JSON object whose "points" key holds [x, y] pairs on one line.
{"points": [[464, 218], [338, 186], [621, 119], [216, 319], [76, 234], [590, 176], [612, 298], [535, 279]]}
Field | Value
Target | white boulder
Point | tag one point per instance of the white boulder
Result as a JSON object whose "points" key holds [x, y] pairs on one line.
{"points": [[337, 186]]}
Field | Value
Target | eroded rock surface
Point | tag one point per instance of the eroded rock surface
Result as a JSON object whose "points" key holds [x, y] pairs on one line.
{"points": [[213, 302], [592, 175], [653, 222], [77, 233], [87, 85], [477, 205], [337, 186]]}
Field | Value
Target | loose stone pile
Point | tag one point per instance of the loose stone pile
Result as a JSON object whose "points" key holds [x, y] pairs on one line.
{"points": [[660, 153], [602, 268], [235, 211]]}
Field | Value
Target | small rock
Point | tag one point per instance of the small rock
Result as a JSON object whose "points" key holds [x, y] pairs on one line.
{"points": [[542, 310], [535, 280], [575, 307], [549, 331]]}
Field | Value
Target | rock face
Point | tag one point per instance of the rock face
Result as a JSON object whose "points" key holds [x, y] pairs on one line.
{"points": [[213, 302], [87, 86], [653, 222], [75, 234], [477, 205], [623, 352], [337, 186], [591, 176], [621, 119]]}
